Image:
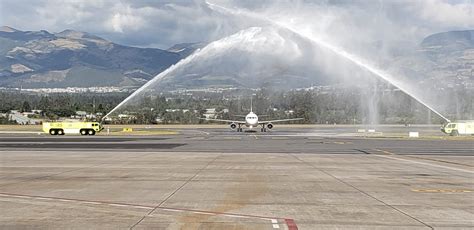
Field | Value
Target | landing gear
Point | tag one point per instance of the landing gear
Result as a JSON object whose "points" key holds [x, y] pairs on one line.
{"points": [[239, 129], [263, 129]]}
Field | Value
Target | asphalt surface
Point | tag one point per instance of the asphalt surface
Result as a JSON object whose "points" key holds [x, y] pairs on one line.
{"points": [[328, 178]]}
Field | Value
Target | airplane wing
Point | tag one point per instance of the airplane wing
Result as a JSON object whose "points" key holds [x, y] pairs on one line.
{"points": [[246, 116], [282, 120], [221, 120]]}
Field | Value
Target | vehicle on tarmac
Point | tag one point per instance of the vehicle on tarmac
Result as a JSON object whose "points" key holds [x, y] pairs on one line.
{"points": [[61, 128], [251, 121], [459, 128]]}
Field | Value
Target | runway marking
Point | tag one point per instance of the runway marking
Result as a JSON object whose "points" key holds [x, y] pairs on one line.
{"points": [[290, 223], [425, 163], [274, 220], [118, 205], [341, 142], [256, 138], [280, 138], [79, 201], [442, 161], [383, 151], [275, 224], [232, 138], [442, 190]]}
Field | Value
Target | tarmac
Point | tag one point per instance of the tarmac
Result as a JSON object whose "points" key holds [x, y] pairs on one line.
{"points": [[213, 178]]}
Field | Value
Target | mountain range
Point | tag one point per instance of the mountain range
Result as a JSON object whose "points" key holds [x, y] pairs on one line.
{"points": [[70, 58], [40, 59]]}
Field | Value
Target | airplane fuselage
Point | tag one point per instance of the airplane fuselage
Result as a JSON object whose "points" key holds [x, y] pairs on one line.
{"points": [[251, 120]]}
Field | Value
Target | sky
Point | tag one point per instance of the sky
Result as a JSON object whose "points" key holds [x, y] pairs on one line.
{"points": [[163, 23]]}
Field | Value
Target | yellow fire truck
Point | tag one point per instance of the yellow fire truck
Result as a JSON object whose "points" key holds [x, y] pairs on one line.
{"points": [[459, 128], [61, 128]]}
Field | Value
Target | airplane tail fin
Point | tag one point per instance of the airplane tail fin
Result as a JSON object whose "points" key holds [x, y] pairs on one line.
{"points": [[251, 106]]}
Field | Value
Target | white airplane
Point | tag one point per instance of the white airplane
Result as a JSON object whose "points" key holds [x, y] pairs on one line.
{"points": [[251, 121]]}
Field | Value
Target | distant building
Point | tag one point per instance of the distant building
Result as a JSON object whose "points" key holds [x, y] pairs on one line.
{"points": [[172, 110], [126, 117], [81, 113], [22, 119], [210, 113]]}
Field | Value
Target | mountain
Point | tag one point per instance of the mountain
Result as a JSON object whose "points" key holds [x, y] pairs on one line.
{"points": [[70, 58], [253, 58], [274, 58], [185, 49], [443, 60]]}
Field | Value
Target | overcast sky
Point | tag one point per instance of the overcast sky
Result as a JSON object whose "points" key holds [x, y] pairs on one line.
{"points": [[162, 23]]}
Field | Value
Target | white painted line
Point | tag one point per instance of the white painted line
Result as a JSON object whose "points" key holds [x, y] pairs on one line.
{"points": [[203, 213], [20, 132], [142, 207], [14, 196], [204, 132], [90, 202], [274, 221], [424, 163], [237, 216], [228, 215], [171, 210], [119, 205], [75, 201]]}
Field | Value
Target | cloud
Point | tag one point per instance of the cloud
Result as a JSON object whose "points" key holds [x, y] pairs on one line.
{"points": [[123, 17], [461, 14], [163, 23]]}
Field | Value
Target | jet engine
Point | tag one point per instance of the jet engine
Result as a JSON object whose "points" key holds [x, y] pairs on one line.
{"points": [[270, 126], [233, 126]]}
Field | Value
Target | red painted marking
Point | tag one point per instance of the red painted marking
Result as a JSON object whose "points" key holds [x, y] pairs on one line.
{"points": [[291, 224]]}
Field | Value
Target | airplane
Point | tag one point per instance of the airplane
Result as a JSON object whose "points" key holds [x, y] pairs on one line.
{"points": [[251, 121]]}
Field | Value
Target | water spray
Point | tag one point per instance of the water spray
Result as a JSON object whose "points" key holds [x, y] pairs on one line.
{"points": [[337, 50], [155, 79], [219, 44]]}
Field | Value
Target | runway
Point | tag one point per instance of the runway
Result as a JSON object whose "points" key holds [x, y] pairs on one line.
{"points": [[217, 179]]}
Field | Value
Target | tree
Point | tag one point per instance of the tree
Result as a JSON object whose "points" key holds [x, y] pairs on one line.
{"points": [[25, 107]]}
